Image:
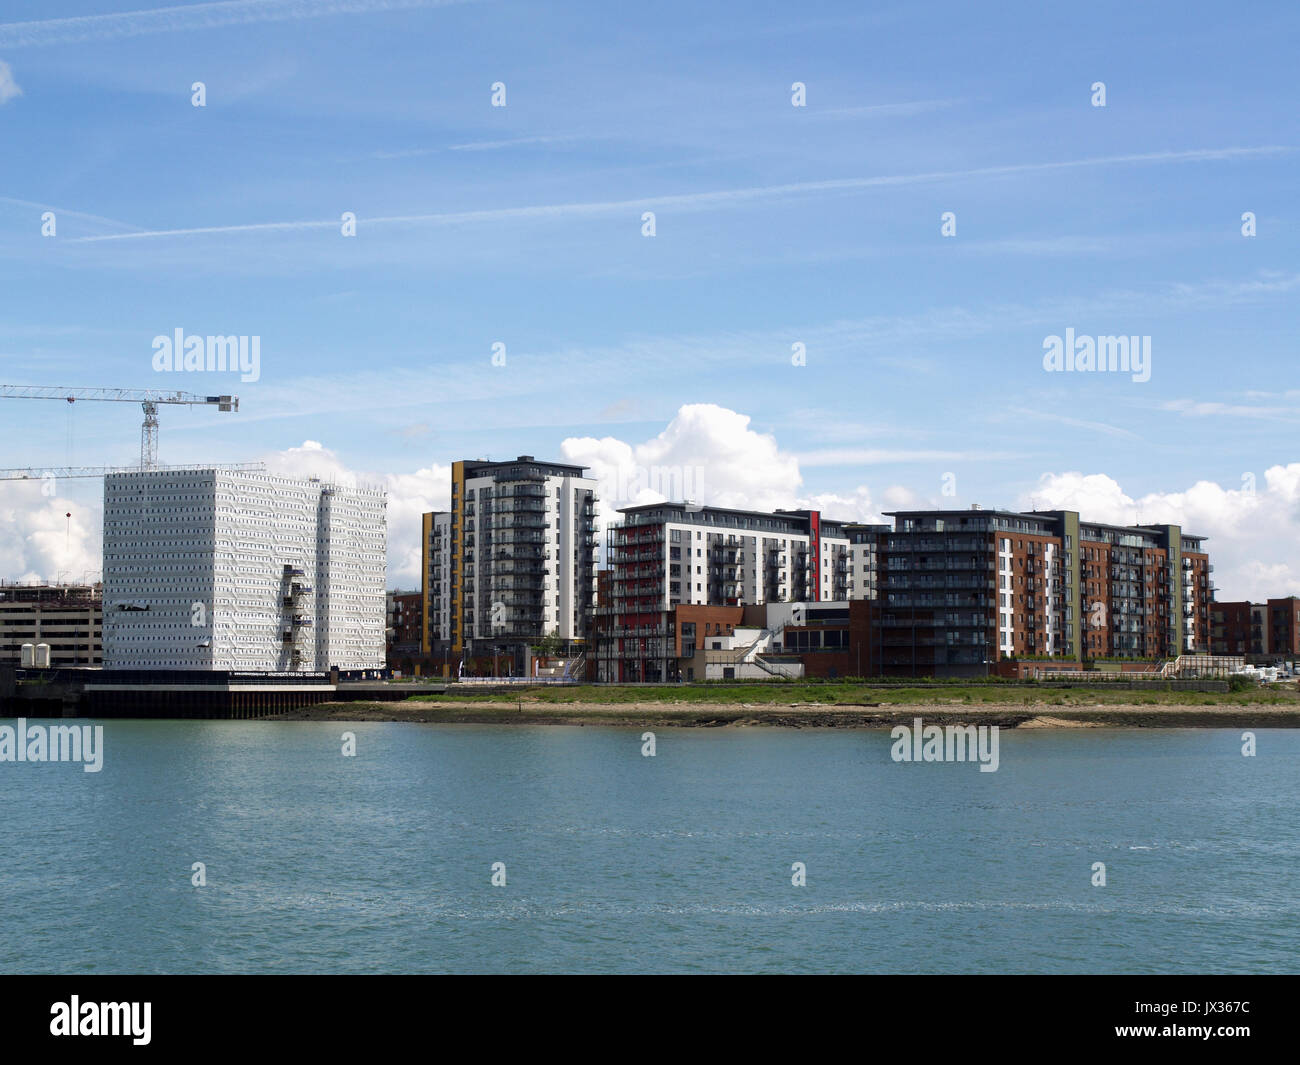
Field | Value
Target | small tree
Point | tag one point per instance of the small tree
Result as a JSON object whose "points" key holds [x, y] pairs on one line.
{"points": [[549, 646]]}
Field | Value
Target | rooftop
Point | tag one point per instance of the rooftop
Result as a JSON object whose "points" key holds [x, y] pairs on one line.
{"points": [[1039, 515], [482, 467]]}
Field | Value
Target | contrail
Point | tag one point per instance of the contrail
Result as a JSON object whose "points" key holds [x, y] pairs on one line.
{"points": [[704, 200], [58, 211], [208, 16]]}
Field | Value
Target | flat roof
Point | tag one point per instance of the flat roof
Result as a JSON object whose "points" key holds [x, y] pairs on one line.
{"points": [[1041, 515], [794, 517], [483, 465]]}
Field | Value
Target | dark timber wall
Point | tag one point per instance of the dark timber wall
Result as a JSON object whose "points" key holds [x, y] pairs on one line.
{"points": [[189, 704]]}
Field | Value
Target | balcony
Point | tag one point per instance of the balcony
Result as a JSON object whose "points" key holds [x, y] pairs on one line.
{"points": [[634, 535], [521, 506], [518, 521]]}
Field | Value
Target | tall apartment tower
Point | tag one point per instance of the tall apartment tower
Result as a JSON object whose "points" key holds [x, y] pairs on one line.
{"points": [[961, 589], [512, 562], [236, 570]]}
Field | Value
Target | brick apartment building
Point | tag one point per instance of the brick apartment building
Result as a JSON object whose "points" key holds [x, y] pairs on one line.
{"points": [[950, 593], [1284, 626], [1265, 631], [404, 630], [961, 590], [1232, 627]]}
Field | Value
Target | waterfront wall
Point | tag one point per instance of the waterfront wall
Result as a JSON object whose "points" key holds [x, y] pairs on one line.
{"points": [[97, 693]]}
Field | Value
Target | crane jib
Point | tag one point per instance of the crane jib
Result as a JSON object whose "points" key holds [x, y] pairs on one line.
{"points": [[145, 397]]}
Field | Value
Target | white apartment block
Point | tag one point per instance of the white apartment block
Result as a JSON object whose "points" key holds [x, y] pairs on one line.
{"points": [[669, 555], [246, 571], [514, 559], [666, 554]]}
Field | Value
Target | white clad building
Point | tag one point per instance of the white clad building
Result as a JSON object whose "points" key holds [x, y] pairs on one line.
{"points": [[863, 543], [238, 570], [665, 554]]}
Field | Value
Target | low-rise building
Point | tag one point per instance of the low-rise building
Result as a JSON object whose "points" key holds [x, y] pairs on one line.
{"points": [[1284, 627], [1268, 631], [68, 618], [1231, 629], [404, 629]]}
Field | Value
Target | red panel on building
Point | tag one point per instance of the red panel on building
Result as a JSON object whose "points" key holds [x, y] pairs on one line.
{"points": [[815, 551]]}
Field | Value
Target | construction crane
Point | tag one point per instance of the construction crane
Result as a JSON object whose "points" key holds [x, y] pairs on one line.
{"points": [[147, 398], [36, 473]]}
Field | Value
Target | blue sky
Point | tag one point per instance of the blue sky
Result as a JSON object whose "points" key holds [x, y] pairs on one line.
{"points": [[775, 225]]}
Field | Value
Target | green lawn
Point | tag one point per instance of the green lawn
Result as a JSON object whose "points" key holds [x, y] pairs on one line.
{"points": [[852, 693]]}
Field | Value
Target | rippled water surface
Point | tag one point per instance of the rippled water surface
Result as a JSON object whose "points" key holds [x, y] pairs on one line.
{"points": [[682, 862]]}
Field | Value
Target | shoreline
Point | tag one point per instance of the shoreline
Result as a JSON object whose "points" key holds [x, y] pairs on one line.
{"points": [[801, 715]]}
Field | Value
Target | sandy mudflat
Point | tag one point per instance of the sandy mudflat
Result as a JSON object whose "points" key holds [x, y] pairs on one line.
{"points": [[809, 715]]}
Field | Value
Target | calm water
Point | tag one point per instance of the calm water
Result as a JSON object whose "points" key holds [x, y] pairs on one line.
{"points": [[616, 862]]}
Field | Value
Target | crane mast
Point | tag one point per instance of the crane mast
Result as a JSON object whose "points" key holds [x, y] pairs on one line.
{"points": [[149, 436]]}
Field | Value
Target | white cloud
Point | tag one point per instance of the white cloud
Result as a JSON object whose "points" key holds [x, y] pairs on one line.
{"points": [[913, 107], [707, 449], [38, 542], [877, 456], [489, 146], [713, 452], [1192, 408], [857, 505], [1252, 528], [8, 87]]}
